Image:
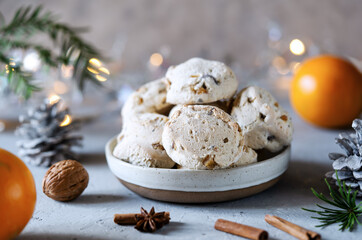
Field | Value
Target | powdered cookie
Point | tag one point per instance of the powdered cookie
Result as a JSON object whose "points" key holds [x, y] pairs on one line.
{"points": [[149, 98], [204, 137], [265, 124], [140, 142], [200, 81]]}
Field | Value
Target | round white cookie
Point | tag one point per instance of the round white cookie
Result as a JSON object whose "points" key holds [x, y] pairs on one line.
{"points": [[149, 98], [205, 137], [140, 142], [265, 124], [199, 81]]}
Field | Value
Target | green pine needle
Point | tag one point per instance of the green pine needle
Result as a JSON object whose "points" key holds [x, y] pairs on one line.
{"points": [[29, 21], [346, 212]]}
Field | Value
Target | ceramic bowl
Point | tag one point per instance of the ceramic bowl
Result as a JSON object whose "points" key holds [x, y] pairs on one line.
{"points": [[199, 186]]}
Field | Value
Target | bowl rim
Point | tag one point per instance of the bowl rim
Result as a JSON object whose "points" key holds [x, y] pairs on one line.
{"points": [[109, 152], [190, 180]]}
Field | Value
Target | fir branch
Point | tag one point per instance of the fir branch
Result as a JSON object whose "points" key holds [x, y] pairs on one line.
{"points": [[45, 54], [19, 81], [27, 22], [344, 200]]}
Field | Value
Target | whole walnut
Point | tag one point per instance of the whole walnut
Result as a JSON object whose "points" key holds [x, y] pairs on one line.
{"points": [[65, 180]]}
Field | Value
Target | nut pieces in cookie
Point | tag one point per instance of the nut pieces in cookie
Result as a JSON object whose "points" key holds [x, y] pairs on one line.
{"points": [[140, 142], [149, 98], [205, 137], [65, 180], [265, 124], [202, 136], [199, 81]]}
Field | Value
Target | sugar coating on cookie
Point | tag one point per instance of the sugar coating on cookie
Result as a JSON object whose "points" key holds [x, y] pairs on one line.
{"points": [[205, 137], [264, 122], [199, 81], [140, 142], [149, 98]]}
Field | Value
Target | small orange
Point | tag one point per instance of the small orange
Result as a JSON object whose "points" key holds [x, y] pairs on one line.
{"points": [[327, 91], [17, 195]]}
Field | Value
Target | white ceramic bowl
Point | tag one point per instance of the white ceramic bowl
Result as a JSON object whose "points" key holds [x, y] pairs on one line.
{"points": [[198, 186]]}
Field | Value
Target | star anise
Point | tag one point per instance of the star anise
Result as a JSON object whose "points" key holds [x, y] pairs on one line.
{"points": [[150, 222]]}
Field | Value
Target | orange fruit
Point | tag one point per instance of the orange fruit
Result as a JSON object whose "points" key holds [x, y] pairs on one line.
{"points": [[17, 195], [327, 91]]}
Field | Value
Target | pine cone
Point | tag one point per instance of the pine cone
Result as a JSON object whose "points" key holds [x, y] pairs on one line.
{"points": [[44, 140], [349, 165]]}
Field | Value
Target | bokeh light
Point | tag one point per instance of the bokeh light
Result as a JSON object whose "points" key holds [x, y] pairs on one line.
{"points": [[156, 59], [101, 78], [95, 62], [297, 47], [53, 98], [67, 120], [60, 87]]}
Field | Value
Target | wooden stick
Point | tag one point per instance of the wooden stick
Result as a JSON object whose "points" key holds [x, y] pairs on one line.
{"points": [[129, 218], [291, 228], [241, 230]]}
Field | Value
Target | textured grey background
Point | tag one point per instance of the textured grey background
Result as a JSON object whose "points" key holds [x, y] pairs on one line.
{"points": [[216, 29]]}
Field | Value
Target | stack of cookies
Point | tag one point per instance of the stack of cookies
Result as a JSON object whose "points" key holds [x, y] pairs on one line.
{"points": [[193, 119]]}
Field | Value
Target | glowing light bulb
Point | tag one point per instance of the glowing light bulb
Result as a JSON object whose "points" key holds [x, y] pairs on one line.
{"points": [[32, 62], [95, 62], [101, 78], [92, 70], [53, 98], [297, 47], [67, 120], [104, 70], [156, 59]]}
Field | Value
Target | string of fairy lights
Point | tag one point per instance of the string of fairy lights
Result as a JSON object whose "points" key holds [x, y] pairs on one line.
{"points": [[278, 62], [282, 61], [31, 62], [96, 67]]}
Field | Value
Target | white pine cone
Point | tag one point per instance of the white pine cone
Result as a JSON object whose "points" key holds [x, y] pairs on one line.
{"points": [[44, 140], [349, 165]]}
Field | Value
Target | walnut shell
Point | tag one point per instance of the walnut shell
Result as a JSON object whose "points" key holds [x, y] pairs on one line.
{"points": [[65, 180]]}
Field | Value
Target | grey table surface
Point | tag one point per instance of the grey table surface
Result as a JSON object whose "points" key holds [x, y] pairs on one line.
{"points": [[91, 215]]}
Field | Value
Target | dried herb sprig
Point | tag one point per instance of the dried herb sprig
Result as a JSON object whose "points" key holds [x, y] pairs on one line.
{"points": [[346, 211], [73, 50]]}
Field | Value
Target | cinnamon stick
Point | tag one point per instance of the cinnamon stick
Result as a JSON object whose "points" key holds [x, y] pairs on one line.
{"points": [[291, 228], [241, 230], [129, 218]]}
